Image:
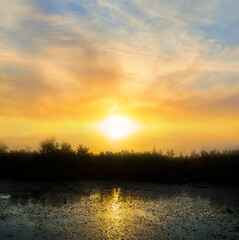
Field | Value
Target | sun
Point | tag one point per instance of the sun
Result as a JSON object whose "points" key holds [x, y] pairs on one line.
{"points": [[116, 126]]}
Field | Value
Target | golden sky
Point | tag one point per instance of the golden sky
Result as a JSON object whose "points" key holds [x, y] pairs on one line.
{"points": [[170, 66]]}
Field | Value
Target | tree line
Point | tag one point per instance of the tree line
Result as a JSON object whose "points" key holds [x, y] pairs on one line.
{"points": [[59, 161]]}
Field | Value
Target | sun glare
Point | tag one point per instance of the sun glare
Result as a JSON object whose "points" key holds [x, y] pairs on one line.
{"points": [[116, 126]]}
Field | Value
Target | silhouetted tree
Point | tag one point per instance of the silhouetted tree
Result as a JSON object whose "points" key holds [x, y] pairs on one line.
{"points": [[82, 150], [49, 145], [3, 147], [204, 154], [170, 153], [194, 154], [65, 147], [60, 162]]}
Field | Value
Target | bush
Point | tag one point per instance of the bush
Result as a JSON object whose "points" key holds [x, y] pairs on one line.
{"points": [[55, 161]]}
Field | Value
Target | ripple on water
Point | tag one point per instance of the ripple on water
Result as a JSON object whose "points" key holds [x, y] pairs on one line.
{"points": [[92, 210]]}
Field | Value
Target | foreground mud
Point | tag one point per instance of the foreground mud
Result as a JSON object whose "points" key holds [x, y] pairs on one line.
{"points": [[99, 210]]}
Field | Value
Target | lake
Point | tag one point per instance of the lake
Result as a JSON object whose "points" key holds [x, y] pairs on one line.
{"points": [[103, 210]]}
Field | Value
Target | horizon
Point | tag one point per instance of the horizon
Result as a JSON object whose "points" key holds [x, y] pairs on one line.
{"points": [[161, 151]]}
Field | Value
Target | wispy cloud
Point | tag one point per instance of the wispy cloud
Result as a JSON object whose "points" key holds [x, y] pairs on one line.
{"points": [[155, 58]]}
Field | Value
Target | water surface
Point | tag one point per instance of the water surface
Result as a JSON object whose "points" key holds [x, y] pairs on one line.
{"points": [[100, 210]]}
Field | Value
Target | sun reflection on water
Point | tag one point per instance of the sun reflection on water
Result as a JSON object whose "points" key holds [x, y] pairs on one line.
{"points": [[116, 214], [115, 202], [103, 211]]}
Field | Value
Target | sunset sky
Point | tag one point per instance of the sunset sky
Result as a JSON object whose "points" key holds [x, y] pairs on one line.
{"points": [[170, 66]]}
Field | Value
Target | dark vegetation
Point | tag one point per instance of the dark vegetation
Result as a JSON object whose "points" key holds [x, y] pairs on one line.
{"points": [[56, 161]]}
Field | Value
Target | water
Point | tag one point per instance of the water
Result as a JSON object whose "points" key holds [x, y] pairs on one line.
{"points": [[100, 210]]}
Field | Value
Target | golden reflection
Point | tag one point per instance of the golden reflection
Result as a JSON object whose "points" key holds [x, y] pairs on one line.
{"points": [[117, 214], [115, 202]]}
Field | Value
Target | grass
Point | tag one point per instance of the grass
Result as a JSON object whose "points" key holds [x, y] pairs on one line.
{"points": [[56, 161]]}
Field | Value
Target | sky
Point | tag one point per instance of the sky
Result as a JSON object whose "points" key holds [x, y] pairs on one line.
{"points": [[170, 66]]}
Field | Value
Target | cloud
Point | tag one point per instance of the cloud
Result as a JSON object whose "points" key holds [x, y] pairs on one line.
{"points": [[76, 57]]}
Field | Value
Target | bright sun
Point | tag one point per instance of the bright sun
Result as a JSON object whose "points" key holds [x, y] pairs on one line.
{"points": [[116, 126]]}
